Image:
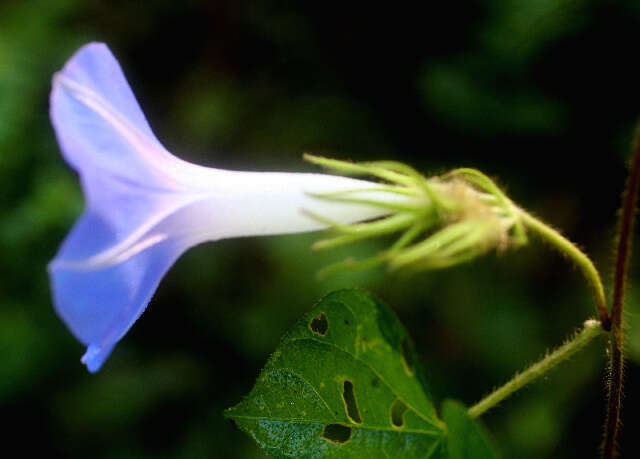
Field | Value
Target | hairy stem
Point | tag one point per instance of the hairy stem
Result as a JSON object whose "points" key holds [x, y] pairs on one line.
{"points": [[623, 254], [585, 264], [592, 328]]}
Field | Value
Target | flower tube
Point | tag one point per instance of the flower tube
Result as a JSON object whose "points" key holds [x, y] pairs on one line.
{"points": [[144, 207]]}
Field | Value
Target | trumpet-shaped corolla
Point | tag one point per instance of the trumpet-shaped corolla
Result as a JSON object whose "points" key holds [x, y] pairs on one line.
{"points": [[144, 207]]}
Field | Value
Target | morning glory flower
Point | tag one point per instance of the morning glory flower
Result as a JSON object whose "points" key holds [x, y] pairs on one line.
{"points": [[144, 207]]}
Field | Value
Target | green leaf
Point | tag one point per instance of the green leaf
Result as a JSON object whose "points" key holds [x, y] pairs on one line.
{"points": [[466, 438], [344, 382]]}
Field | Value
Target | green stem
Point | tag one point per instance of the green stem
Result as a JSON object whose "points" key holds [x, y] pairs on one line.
{"points": [[566, 247], [592, 329]]}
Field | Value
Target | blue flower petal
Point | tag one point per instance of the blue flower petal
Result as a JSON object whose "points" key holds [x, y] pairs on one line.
{"points": [[100, 126], [100, 304], [102, 282], [133, 227], [95, 357]]}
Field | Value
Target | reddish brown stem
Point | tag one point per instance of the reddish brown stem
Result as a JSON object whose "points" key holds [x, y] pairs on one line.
{"points": [[623, 254]]}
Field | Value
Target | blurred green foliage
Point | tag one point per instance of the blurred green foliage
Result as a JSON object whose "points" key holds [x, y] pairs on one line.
{"points": [[540, 94]]}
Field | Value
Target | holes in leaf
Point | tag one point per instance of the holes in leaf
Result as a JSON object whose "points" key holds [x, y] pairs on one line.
{"points": [[350, 402], [319, 324], [398, 409], [407, 361], [336, 433]]}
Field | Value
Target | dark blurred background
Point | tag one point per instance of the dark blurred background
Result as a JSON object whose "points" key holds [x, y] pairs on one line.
{"points": [[542, 95]]}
